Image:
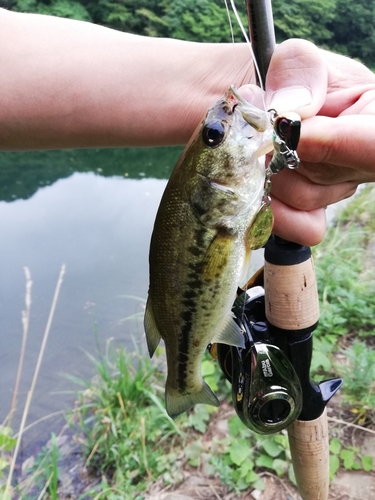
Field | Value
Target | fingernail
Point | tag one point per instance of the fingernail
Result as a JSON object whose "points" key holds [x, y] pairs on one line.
{"points": [[290, 99]]}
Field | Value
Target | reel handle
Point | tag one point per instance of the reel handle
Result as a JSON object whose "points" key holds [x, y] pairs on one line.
{"points": [[292, 310]]}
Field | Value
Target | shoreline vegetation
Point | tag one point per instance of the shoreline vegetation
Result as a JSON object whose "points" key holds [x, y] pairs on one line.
{"points": [[119, 443], [339, 25]]}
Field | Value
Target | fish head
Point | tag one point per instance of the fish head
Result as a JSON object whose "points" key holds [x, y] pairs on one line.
{"points": [[229, 158]]}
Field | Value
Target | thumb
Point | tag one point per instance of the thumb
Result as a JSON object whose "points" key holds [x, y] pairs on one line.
{"points": [[297, 78]]}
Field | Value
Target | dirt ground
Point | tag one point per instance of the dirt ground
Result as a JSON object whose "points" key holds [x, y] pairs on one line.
{"points": [[347, 485], [75, 479]]}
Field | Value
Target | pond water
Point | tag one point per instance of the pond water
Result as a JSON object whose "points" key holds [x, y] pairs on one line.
{"points": [[94, 212]]}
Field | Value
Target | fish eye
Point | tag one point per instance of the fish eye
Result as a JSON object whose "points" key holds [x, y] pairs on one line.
{"points": [[213, 133]]}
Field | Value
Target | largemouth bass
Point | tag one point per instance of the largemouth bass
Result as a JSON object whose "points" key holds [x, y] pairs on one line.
{"points": [[209, 219]]}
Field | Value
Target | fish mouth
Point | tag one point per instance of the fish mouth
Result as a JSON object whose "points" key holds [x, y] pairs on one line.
{"points": [[255, 117]]}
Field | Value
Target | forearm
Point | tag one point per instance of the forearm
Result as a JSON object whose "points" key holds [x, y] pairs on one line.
{"points": [[66, 84]]}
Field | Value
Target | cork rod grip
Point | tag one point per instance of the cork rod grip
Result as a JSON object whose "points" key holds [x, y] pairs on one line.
{"points": [[291, 295], [292, 307], [309, 446]]}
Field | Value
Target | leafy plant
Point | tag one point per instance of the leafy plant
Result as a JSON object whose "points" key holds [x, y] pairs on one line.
{"points": [[347, 296], [7, 445], [359, 376], [43, 473], [322, 355], [239, 458], [215, 378], [346, 287], [347, 457], [125, 426], [308, 19], [62, 8]]}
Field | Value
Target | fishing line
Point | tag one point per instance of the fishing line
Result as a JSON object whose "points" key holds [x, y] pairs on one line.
{"points": [[230, 23], [248, 43], [235, 64]]}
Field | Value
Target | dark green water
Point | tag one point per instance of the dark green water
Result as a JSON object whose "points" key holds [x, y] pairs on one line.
{"points": [[92, 210]]}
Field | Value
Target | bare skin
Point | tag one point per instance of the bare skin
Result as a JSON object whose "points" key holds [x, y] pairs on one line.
{"points": [[336, 98], [67, 84], [70, 84]]}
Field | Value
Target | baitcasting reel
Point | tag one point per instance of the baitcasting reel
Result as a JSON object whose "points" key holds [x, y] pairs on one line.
{"points": [[266, 391], [270, 376]]}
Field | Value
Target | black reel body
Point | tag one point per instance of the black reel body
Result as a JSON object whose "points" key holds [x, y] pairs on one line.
{"points": [[270, 376], [266, 391]]}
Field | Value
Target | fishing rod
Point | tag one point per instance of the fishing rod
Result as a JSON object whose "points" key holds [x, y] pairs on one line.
{"points": [[292, 312], [262, 35], [278, 311]]}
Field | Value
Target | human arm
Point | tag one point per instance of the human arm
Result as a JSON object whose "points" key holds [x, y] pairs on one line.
{"points": [[72, 84]]}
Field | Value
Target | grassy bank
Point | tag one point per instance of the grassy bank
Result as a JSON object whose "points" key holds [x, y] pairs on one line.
{"points": [[131, 449]]}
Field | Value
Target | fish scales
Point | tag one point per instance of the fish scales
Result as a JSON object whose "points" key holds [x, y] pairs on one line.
{"points": [[200, 247]]}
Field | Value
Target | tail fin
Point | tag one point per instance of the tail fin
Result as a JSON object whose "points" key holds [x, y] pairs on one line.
{"points": [[176, 403]]}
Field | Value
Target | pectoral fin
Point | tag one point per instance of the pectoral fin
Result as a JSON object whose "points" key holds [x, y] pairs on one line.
{"points": [[230, 333], [153, 336], [217, 255]]}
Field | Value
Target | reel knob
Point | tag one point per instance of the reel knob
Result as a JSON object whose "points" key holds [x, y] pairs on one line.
{"points": [[266, 391], [274, 407]]}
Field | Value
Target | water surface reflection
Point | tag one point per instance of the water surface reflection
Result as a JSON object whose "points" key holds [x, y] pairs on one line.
{"points": [[100, 228], [93, 211]]}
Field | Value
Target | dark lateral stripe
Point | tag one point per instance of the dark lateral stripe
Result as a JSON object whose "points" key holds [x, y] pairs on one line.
{"points": [[190, 300], [183, 350]]}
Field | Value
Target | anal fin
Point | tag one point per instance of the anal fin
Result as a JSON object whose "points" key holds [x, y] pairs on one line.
{"points": [[230, 333]]}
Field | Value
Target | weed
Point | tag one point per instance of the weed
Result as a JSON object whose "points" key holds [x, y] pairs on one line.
{"points": [[360, 210], [359, 376], [239, 458], [215, 378], [347, 457], [129, 440], [7, 445], [53, 477], [347, 298], [346, 289], [126, 428], [43, 474]]}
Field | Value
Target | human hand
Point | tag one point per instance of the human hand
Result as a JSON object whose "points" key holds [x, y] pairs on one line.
{"points": [[335, 97]]}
